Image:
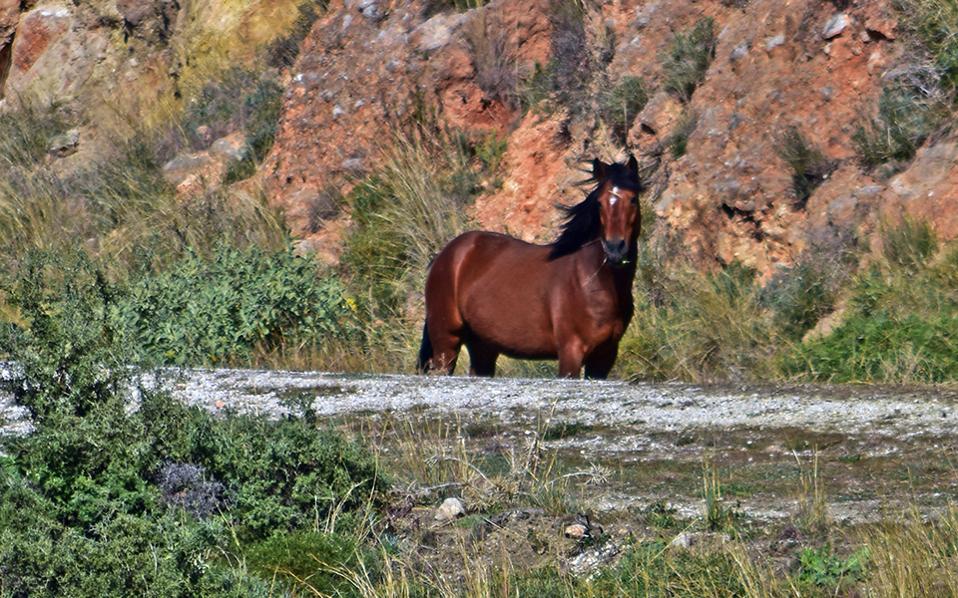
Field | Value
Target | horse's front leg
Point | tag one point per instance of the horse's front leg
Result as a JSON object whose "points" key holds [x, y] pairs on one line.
{"points": [[599, 363], [571, 355]]}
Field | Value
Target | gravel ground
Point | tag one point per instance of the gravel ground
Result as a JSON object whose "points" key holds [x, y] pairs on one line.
{"points": [[896, 412], [664, 407]]}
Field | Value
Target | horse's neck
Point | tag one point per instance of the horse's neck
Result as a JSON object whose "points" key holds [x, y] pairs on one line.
{"points": [[621, 277]]}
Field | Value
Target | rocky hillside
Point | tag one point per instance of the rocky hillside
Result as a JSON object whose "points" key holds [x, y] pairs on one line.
{"points": [[752, 150], [766, 128]]}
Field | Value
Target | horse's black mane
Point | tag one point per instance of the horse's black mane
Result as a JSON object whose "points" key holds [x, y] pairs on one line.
{"points": [[582, 223]]}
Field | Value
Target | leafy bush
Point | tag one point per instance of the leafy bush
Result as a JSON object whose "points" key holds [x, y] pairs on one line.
{"points": [[901, 322], [688, 59], [216, 309], [621, 104], [69, 340], [809, 166], [99, 500]]}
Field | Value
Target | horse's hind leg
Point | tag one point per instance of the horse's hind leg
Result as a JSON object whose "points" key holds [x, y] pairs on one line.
{"points": [[482, 359]]}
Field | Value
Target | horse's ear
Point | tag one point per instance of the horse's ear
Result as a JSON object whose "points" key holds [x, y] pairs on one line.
{"points": [[599, 169], [633, 165]]}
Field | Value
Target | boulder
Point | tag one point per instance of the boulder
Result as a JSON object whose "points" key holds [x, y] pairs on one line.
{"points": [[452, 508]]}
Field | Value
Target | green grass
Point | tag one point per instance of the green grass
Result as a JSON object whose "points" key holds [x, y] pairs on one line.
{"points": [[678, 139]]}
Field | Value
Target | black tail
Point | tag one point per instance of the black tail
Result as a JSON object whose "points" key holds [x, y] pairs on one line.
{"points": [[425, 351]]}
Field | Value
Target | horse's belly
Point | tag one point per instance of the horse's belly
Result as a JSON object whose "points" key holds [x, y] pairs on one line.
{"points": [[518, 326]]}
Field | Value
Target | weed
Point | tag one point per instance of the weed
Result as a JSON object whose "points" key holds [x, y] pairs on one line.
{"points": [[717, 516], [812, 502], [688, 59], [622, 103], [809, 166], [821, 567]]}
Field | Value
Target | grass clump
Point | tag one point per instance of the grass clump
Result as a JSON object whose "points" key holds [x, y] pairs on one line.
{"points": [[403, 215], [905, 119], [935, 24], [678, 139], [494, 57], [26, 132], [809, 166], [621, 104], [700, 327], [688, 59]]}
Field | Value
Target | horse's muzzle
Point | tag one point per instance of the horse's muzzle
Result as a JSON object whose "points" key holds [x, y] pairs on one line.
{"points": [[617, 251]]}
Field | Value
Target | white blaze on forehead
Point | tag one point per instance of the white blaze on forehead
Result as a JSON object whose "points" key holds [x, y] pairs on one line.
{"points": [[615, 196]]}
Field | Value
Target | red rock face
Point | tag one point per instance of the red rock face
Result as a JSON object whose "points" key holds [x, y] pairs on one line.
{"points": [[38, 29], [778, 66]]}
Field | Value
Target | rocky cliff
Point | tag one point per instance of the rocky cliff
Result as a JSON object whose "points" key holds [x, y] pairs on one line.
{"points": [[766, 127]]}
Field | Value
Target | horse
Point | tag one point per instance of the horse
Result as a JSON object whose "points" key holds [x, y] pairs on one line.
{"points": [[570, 300]]}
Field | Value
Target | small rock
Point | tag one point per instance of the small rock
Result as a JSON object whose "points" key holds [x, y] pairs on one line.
{"points": [[338, 111], [690, 539], [232, 148], [450, 509], [576, 531], [741, 51], [773, 42], [371, 10], [835, 26], [219, 404], [590, 560], [63, 145]]}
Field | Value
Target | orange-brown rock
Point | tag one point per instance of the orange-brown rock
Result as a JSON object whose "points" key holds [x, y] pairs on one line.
{"points": [[928, 189], [535, 168]]}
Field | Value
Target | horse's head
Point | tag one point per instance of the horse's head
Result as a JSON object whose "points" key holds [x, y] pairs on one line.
{"points": [[618, 198]]}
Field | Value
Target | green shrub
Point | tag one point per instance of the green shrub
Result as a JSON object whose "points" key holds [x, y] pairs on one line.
{"points": [[688, 59], [901, 322], [69, 340], [809, 166], [99, 500], [211, 310], [282, 52], [315, 560], [621, 104]]}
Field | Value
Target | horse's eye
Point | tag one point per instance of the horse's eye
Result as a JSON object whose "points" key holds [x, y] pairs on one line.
{"points": [[635, 201]]}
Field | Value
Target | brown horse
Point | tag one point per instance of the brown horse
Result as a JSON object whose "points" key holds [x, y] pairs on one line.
{"points": [[570, 300]]}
